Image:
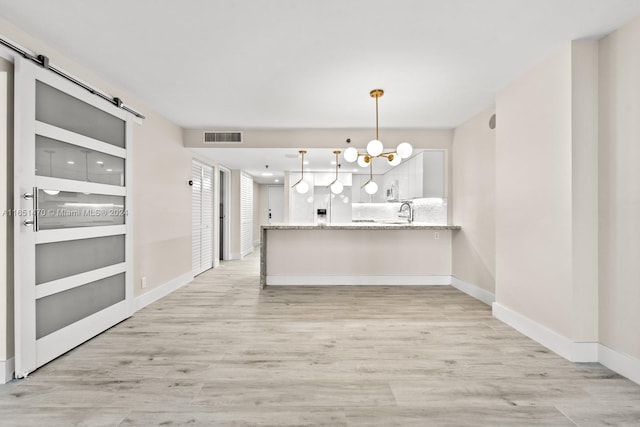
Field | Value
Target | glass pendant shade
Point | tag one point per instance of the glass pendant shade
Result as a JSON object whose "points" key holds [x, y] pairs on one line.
{"points": [[302, 187], [374, 147], [396, 160], [350, 155], [371, 188], [404, 150], [336, 187], [362, 163]]}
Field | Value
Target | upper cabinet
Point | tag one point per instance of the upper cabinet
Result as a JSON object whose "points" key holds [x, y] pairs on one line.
{"points": [[432, 173], [358, 195], [423, 175]]}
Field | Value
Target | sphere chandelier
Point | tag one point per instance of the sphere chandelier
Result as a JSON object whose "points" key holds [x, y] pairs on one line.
{"points": [[375, 149]]}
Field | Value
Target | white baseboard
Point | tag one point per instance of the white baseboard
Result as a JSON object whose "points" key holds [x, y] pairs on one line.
{"points": [[621, 363], [7, 368], [473, 290], [358, 280], [572, 351], [161, 291], [234, 256]]}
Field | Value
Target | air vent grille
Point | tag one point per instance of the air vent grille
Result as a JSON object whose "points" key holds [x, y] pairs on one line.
{"points": [[223, 137]]}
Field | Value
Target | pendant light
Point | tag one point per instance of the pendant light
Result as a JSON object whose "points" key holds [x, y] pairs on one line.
{"points": [[375, 148], [301, 186], [336, 186], [370, 186]]}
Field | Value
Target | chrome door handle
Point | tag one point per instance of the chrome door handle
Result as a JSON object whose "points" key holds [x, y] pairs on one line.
{"points": [[34, 208]]}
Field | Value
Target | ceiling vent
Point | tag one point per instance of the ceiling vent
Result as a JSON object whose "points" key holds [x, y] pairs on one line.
{"points": [[223, 137]]}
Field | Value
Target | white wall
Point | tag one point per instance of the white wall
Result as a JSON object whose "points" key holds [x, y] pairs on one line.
{"points": [[473, 199], [584, 176], [533, 193], [162, 203], [317, 138], [306, 253], [619, 153], [546, 217], [6, 203]]}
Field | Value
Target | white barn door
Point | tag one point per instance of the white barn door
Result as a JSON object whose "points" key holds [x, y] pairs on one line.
{"points": [[73, 223]]}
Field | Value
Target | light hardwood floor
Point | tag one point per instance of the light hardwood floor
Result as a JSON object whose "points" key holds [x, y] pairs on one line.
{"points": [[221, 352]]}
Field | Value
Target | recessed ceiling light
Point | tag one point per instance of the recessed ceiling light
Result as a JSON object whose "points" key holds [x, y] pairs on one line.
{"points": [[267, 174], [71, 162], [100, 162], [277, 180], [109, 170], [306, 162], [333, 162]]}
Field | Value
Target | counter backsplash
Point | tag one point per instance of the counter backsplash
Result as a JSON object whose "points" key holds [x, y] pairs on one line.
{"points": [[431, 211]]}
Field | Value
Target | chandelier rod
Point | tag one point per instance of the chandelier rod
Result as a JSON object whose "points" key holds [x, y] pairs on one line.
{"points": [[302, 152]]}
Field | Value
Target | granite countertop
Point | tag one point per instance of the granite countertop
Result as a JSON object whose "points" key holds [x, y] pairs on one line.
{"points": [[395, 225]]}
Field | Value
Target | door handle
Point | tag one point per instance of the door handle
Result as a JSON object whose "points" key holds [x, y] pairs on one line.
{"points": [[33, 196]]}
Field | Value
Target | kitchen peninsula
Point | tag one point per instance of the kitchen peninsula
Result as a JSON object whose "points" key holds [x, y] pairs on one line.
{"points": [[356, 254]]}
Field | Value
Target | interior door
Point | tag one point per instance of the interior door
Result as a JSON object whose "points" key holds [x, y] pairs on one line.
{"points": [[73, 235], [276, 204]]}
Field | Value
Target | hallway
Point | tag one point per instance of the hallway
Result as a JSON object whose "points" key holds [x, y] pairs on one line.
{"points": [[220, 352]]}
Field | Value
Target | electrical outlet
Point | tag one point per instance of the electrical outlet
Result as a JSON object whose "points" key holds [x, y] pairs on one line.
{"points": [[436, 235], [143, 282]]}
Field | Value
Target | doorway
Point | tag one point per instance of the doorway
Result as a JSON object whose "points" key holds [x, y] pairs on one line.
{"points": [[275, 202], [224, 232]]}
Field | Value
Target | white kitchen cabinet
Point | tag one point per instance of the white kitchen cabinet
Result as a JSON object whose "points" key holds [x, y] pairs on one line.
{"points": [[420, 176], [358, 195], [432, 174], [403, 180], [415, 177], [355, 188]]}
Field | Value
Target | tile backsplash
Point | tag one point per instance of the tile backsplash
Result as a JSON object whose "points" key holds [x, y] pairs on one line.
{"points": [[431, 211]]}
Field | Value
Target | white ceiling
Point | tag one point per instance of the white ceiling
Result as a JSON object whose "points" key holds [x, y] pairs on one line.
{"points": [[233, 65], [311, 64]]}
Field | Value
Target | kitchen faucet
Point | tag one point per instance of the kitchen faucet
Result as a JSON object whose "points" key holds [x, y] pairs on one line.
{"points": [[406, 211]]}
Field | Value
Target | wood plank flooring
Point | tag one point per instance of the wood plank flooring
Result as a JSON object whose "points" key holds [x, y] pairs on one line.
{"points": [[220, 352]]}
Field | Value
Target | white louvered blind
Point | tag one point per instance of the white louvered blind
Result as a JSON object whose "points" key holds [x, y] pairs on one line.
{"points": [[201, 217], [246, 215], [206, 247], [196, 216]]}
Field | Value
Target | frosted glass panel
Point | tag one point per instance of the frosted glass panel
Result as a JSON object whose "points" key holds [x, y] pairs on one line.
{"points": [[62, 309], [64, 111], [61, 160], [68, 210], [61, 259]]}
